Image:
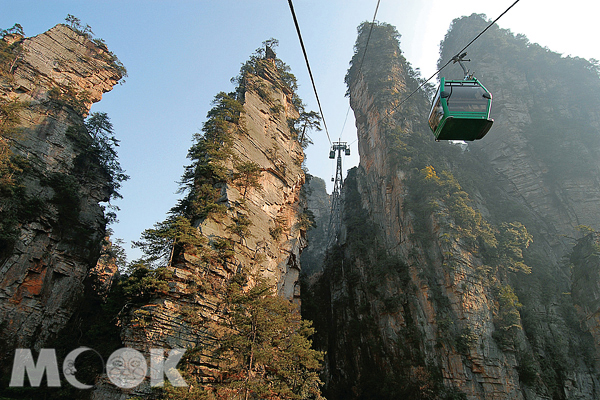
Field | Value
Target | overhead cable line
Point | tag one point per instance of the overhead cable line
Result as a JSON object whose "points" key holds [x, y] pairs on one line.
{"points": [[308, 66], [456, 57], [362, 61], [339, 147]]}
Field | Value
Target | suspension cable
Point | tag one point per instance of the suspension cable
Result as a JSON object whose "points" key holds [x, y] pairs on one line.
{"points": [[457, 56], [308, 66], [361, 62]]}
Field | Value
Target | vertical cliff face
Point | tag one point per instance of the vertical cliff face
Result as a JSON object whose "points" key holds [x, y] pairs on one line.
{"points": [[436, 288], [543, 152], [585, 265], [545, 142], [413, 308], [52, 221], [318, 202], [257, 229]]}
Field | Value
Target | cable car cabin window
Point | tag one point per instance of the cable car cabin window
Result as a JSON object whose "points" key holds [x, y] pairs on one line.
{"points": [[436, 113], [466, 98]]}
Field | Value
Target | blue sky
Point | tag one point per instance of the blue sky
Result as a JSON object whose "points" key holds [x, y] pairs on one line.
{"points": [[180, 53]]}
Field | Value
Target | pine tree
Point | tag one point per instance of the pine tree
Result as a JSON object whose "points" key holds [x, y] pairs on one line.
{"points": [[102, 148], [267, 346], [159, 243], [264, 350], [247, 176]]}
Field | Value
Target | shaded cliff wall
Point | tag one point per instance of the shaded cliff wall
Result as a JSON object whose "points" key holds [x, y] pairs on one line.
{"points": [[188, 313], [57, 223], [585, 264], [429, 293], [544, 147], [544, 152], [318, 202]]}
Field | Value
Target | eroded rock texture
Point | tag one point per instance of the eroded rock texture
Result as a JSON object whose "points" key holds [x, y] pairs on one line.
{"points": [[585, 260], [544, 145], [188, 314], [426, 294], [319, 204], [61, 223]]}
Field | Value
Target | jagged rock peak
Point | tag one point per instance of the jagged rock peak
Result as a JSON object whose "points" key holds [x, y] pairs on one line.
{"points": [[243, 206]]}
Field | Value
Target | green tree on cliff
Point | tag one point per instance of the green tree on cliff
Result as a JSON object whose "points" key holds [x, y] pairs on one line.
{"points": [[257, 64], [201, 182], [264, 350], [267, 345], [75, 24], [11, 53], [307, 121], [202, 178], [247, 176], [513, 238], [160, 243], [102, 148], [10, 119]]}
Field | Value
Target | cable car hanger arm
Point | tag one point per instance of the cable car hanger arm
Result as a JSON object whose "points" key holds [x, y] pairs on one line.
{"points": [[460, 59]]}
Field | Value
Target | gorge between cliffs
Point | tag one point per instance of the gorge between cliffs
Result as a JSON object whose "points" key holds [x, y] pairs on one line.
{"points": [[458, 270]]}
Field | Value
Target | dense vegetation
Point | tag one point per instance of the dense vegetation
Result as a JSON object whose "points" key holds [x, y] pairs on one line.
{"points": [[263, 350]]}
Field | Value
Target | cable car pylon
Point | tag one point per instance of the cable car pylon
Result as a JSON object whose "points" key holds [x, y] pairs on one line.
{"points": [[335, 218]]}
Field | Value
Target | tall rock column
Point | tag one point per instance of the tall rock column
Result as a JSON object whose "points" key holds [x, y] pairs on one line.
{"points": [[55, 221], [433, 290], [430, 317], [257, 229]]}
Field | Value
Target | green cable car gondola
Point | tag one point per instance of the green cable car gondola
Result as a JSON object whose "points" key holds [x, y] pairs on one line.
{"points": [[461, 108]]}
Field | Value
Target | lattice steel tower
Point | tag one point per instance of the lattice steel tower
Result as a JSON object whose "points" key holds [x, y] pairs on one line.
{"points": [[335, 217]]}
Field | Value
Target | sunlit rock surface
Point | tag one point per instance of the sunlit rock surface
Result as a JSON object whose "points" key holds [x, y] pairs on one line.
{"points": [[186, 315]]}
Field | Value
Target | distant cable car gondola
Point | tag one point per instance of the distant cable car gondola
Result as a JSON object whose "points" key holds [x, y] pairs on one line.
{"points": [[461, 108]]}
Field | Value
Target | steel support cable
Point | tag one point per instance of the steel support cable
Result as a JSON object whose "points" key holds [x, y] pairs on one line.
{"points": [[483, 31], [308, 67], [361, 62], [452, 59]]}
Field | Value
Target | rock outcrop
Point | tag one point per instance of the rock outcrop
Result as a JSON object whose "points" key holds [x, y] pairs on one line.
{"points": [[59, 222], [187, 314], [428, 293]]}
